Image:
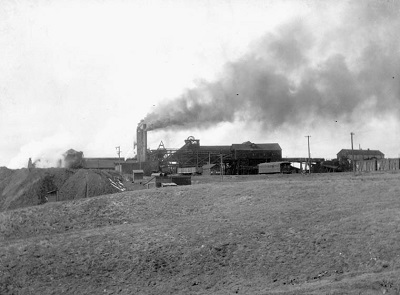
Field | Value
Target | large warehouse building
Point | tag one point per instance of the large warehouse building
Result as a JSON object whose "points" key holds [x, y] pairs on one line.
{"points": [[235, 159]]}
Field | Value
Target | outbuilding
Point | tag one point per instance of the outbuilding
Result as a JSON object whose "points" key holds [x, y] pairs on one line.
{"points": [[360, 154], [137, 176], [211, 169]]}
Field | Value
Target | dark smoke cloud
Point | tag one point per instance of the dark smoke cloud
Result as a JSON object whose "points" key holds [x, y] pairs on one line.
{"points": [[286, 76]]}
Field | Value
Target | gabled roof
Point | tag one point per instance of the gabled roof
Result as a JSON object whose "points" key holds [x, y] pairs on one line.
{"points": [[361, 152], [249, 146]]}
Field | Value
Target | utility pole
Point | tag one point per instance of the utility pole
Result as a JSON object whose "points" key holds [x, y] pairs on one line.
{"points": [[309, 155], [119, 158], [352, 154], [221, 170], [87, 186]]}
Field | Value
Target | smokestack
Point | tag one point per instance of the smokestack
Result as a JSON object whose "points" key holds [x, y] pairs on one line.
{"points": [[141, 138]]}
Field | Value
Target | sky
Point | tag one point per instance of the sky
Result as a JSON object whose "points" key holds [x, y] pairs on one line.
{"points": [[83, 74]]}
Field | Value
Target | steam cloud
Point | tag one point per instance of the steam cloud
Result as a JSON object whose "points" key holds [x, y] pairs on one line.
{"points": [[299, 71], [44, 153]]}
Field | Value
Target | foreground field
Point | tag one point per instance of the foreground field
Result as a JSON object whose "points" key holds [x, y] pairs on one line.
{"points": [[285, 234]]}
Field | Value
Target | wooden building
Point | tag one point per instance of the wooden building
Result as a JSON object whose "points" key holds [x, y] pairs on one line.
{"points": [[248, 155], [101, 163], [211, 169], [137, 176], [360, 154], [235, 159]]}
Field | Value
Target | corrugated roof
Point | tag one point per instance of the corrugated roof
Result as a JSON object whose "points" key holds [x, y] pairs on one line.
{"points": [[361, 152], [248, 146]]}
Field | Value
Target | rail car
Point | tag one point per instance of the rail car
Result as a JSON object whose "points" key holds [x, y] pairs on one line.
{"points": [[190, 170], [274, 167]]}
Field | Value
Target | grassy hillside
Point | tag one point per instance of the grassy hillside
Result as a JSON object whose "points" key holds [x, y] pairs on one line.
{"points": [[285, 234]]}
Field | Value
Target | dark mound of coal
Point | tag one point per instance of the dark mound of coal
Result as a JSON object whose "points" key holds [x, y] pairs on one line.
{"points": [[4, 173], [88, 183], [29, 187], [23, 187]]}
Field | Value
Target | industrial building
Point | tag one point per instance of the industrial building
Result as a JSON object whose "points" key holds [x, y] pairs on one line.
{"points": [[240, 158], [233, 159], [359, 154], [101, 163]]}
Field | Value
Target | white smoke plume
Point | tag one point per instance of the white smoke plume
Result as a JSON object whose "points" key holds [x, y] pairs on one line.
{"points": [[44, 153]]}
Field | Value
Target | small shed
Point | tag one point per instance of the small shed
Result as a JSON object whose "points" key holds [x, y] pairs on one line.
{"points": [[137, 176], [211, 169]]}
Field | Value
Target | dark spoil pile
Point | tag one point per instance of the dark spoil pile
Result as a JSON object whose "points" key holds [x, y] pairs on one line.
{"points": [[28, 187]]}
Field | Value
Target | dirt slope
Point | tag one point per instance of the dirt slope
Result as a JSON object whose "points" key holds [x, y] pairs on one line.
{"points": [[5, 172], [23, 187], [319, 234], [87, 183]]}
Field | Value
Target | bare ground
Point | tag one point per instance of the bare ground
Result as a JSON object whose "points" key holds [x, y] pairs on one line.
{"points": [[284, 234], [29, 187]]}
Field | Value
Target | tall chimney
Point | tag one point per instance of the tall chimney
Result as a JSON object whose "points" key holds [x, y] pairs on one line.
{"points": [[141, 138]]}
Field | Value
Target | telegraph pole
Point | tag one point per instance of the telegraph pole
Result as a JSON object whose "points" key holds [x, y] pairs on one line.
{"points": [[221, 169], [119, 157], [309, 155], [352, 154]]}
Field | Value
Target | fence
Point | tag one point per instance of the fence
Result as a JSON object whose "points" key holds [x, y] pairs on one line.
{"points": [[378, 165]]}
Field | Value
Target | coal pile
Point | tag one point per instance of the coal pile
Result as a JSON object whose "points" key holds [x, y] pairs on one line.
{"points": [[29, 187], [89, 183]]}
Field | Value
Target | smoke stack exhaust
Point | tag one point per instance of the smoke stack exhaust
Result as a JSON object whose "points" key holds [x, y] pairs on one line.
{"points": [[290, 72], [141, 138]]}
